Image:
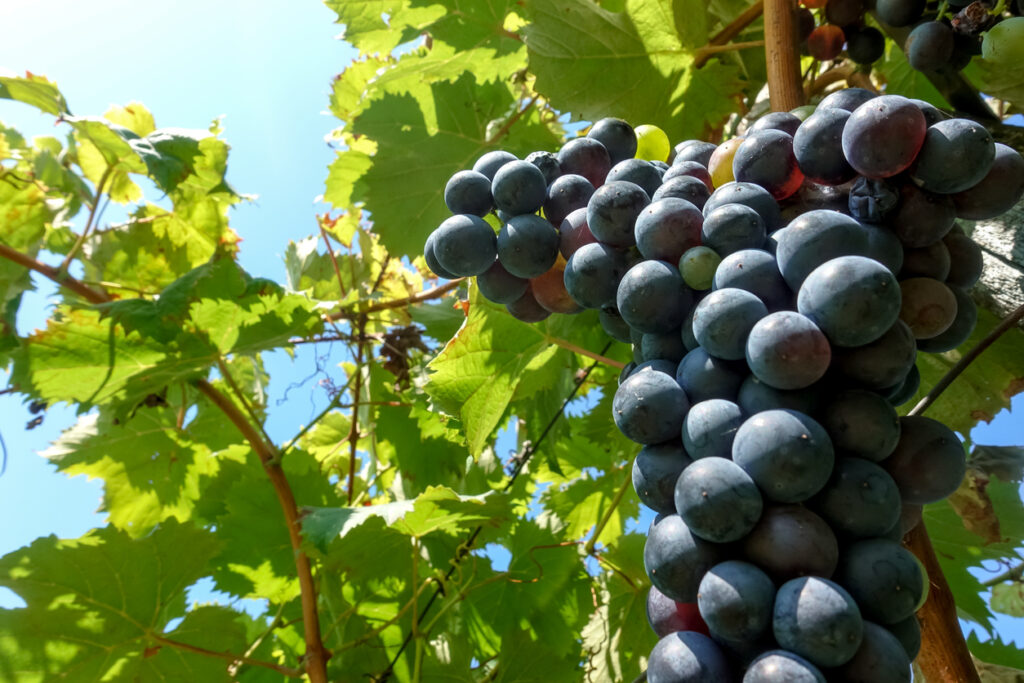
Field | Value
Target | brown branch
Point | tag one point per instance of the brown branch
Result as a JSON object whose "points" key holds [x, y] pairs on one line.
{"points": [[944, 655], [1013, 574], [703, 53], [237, 391], [88, 223], [316, 655], [781, 55], [968, 358], [334, 261], [227, 656], [511, 121], [425, 295], [730, 31], [63, 279], [827, 78], [353, 431]]}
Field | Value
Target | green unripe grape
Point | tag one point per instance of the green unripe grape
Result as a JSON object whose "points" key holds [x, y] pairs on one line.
{"points": [[652, 143], [1003, 44], [698, 266]]}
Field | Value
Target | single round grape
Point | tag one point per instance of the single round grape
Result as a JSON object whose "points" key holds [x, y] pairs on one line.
{"points": [[958, 332], [826, 42], [718, 500], [956, 155], [844, 12], [675, 559], [652, 143], [755, 396], [1000, 189], [547, 163], [691, 169], [705, 377], [720, 163], [731, 228], [723, 319], [736, 599], [883, 577], [781, 666], [518, 188], [592, 274], [687, 657], [643, 173], [527, 309], [652, 297], [468, 192], [864, 44], [932, 261], [566, 194], [786, 350], [852, 299], [694, 150], [698, 265], [665, 229], [766, 158], [860, 499], [879, 659], [464, 245], [710, 427], [586, 157], [861, 423], [818, 147], [617, 136], [549, 290], [527, 245], [757, 272], [667, 347], [685, 187], [817, 619], [928, 463], [489, 163], [792, 541], [655, 471], [649, 407], [613, 210], [814, 238], [929, 306], [499, 285], [929, 46], [665, 615], [749, 194], [921, 218], [882, 136], [613, 324]]}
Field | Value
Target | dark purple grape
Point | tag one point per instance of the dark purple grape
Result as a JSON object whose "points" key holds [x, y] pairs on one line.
{"points": [[667, 228], [777, 120], [637, 171], [965, 259], [431, 258], [574, 233], [687, 657], [847, 98], [908, 632], [613, 324], [499, 285], [880, 658], [792, 541], [468, 192], [956, 155], [694, 150], [649, 407], [899, 12], [882, 363], [731, 228], [756, 396], [527, 245], [735, 600], [710, 427], [860, 499], [884, 246], [854, 300], [818, 147], [861, 423], [817, 619], [655, 472], [998, 191], [592, 275], [749, 194], [757, 272], [566, 194], [617, 136], [518, 188], [685, 187], [689, 168], [723, 319], [928, 463], [814, 238], [586, 157], [883, 577], [668, 347], [929, 46], [781, 666], [883, 135], [526, 308], [864, 44], [489, 163], [959, 331], [613, 210], [666, 616], [766, 158], [787, 453], [547, 163], [932, 114], [705, 377], [921, 217], [844, 12], [652, 297], [464, 245], [786, 350], [718, 500], [932, 261], [676, 560]]}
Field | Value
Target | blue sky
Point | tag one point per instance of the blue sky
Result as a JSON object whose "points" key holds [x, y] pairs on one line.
{"points": [[266, 68]]}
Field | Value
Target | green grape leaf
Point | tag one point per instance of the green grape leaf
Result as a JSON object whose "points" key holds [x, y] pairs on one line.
{"points": [[1008, 598], [582, 503], [436, 509], [92, 602], [631, 64], [24, 214], [984, 389], [151, 468], [999, 652], [211, 627], [402, 149], [478, 372], [37, 91], [960, 550], [379, 26]]}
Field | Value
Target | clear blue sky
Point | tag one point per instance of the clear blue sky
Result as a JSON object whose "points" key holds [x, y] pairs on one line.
{"points": [[266, 67]]}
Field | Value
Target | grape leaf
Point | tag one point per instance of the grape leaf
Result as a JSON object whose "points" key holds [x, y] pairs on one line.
{"points": [[92, 602], [1008, 598], [631, 64], [38, 91], [997, 651], [984, 389], [582, 503], [436, 509]]}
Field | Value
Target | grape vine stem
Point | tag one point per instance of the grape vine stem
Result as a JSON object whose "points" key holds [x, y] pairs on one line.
{"points": [[100, 185], [227, 656], [733, 29], [316, 655], [569, 346], [91, 295], [1008, 322], [607, 516], [425, 295]]}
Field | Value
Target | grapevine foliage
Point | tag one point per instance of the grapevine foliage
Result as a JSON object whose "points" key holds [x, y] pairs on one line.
{"points": [[159, 340]]}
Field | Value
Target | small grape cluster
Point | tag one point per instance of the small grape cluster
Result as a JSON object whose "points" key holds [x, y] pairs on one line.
{"points": [[839, 22], [776, 289]]}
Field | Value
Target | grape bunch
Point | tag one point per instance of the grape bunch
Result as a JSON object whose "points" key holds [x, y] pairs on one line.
{"points": [[776, 289]]}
